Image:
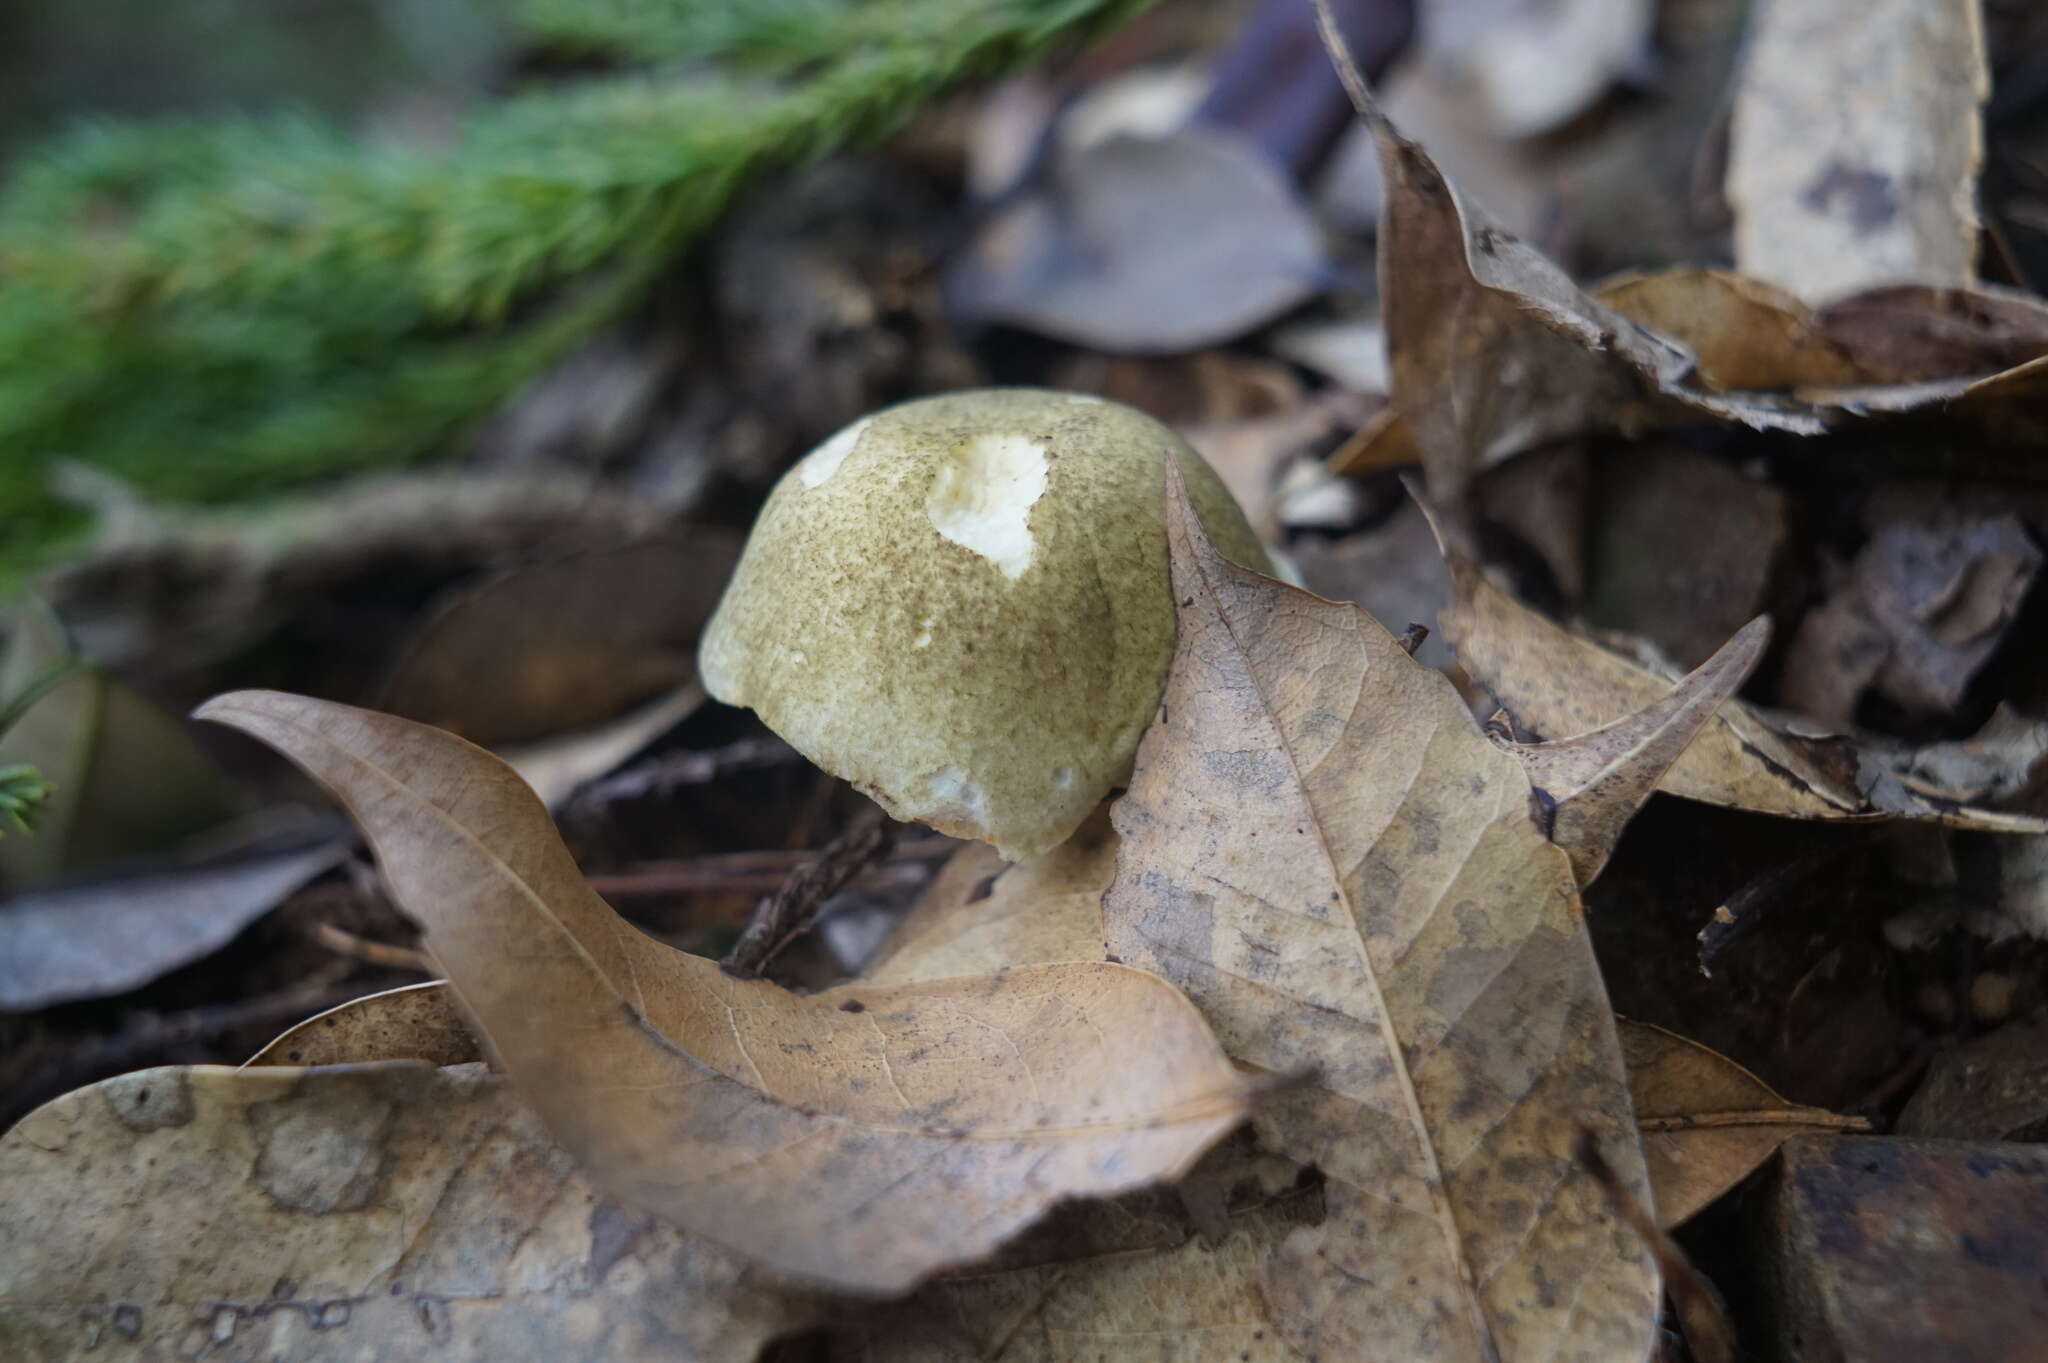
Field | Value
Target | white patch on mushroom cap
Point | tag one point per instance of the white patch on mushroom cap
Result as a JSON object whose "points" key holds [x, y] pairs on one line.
{"points": [[983, 495], [825, 460], [954, 792]]}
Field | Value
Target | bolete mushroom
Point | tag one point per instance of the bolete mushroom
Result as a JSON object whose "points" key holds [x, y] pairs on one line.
{"points": [[961, 605]]}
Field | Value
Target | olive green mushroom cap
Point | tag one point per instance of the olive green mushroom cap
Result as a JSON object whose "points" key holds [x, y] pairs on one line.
{"points": [[961, 606]]}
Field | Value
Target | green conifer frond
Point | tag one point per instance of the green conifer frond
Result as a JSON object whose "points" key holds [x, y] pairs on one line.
{"points": [[218, 310]]}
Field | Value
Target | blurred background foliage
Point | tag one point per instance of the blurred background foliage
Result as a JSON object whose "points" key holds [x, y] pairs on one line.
{"points": [[244, 247]]}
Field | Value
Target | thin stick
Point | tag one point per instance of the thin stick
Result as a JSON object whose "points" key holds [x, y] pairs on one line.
{"points": [[763, 872], [346, 943], [1347, 69], [1784, 1116], [778, 921]]}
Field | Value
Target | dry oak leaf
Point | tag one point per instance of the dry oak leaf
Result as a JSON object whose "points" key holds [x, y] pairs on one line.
{"points": [[1706, 1121], [1323, 848], [864, 1137], [1555, 681], [331, 1215]]}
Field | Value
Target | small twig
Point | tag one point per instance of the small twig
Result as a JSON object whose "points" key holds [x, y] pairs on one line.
{"points": [[764, 872], [346, 943], [779, 920], [1347, 68], [1701, 1313], [1763, 1116], [1748, 906]]}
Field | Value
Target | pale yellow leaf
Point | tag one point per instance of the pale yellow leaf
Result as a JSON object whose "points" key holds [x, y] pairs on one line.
{"points": [[1854, 144], [864, 1137], [1325, 851]]}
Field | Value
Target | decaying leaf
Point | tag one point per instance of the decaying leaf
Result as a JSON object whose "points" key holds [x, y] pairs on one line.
{"points": [[1911, 333], [127, 779], [1587, 787], [1855, 142], [1494, 350], [1556, 682], [1918, 612], [1553, 680], [381, 1211], [1321, 846], [1744, 334], [566, 644], [865, 1136], [1706, 1121], [981, 913], [1195, 1302], [109, 935], [416, 1022], [1147, 245]]}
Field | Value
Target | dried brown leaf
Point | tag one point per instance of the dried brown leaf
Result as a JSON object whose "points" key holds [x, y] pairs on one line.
{"points": [[1910, 333], [1196, 1302], [1323, 848], [1555, 681], [1590, 785], [981, 913], [416, 1022], [1683, 549], [1855, 143], [1698, 1110], [1706, 1121], [1745, 334], [332, 1215], [1494, 350], [865, 1136]]}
